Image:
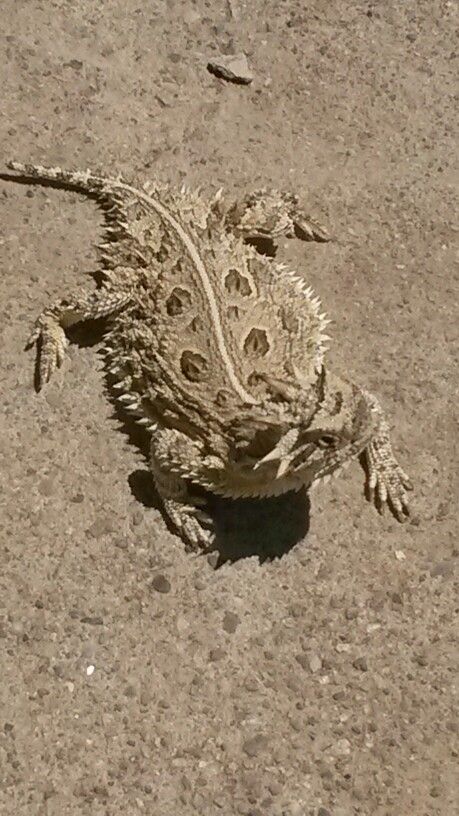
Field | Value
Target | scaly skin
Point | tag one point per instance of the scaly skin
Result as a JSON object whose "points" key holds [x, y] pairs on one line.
{"points": [[262, 415]]}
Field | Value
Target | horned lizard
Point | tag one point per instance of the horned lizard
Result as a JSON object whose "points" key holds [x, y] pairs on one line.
{"points": [[217, 349]]}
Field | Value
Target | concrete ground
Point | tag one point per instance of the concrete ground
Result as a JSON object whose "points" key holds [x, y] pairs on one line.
{"points": [[307, 667]]}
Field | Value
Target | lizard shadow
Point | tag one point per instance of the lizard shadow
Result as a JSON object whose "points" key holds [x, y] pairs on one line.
{"points": [[266, 528]]}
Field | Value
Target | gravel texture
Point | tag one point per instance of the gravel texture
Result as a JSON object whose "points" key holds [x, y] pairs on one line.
{"points": [[306, 667]]}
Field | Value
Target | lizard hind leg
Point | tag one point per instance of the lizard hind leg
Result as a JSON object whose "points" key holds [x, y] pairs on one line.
{"points": [[168, 450], [48, 334]]}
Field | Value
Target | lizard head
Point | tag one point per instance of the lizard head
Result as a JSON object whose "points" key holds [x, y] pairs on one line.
{"points": [[339, 429]]}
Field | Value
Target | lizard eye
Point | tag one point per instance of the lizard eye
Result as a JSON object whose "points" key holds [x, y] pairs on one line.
{"points": [[326, 441]]}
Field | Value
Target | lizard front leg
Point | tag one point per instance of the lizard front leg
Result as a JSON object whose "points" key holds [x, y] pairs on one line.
{"points": [[269, 214], [387, 482], [48, 333]]}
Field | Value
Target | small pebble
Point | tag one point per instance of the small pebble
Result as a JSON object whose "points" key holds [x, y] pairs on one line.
{"points": [[422, 659], [296, 809], [315, 663], [217, 654], [101, 526], [351, 613], [233, 68], [161, 584], [212, 559], [76, 64], [137, 518], [230, 622], [130, 691], [297, 610], [219, 801], [254, 745], [46, 487], [444, 569], [296, 724], [342, 747], [77, 498], [360, 663], [190, 16], [90, 670], [59, 670], [303, 660]]}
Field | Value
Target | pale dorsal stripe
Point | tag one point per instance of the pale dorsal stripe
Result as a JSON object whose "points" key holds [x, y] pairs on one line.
{"points": [[201, 270]]}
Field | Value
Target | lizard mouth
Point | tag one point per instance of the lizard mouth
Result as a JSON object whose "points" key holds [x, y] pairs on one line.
{"points": [[332, 469]]}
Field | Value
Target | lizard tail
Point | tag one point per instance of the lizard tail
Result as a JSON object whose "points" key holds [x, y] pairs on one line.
{"points": [[79, 179]]}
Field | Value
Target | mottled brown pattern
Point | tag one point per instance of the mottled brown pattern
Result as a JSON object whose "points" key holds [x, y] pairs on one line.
{"points": [[195, 316]]}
